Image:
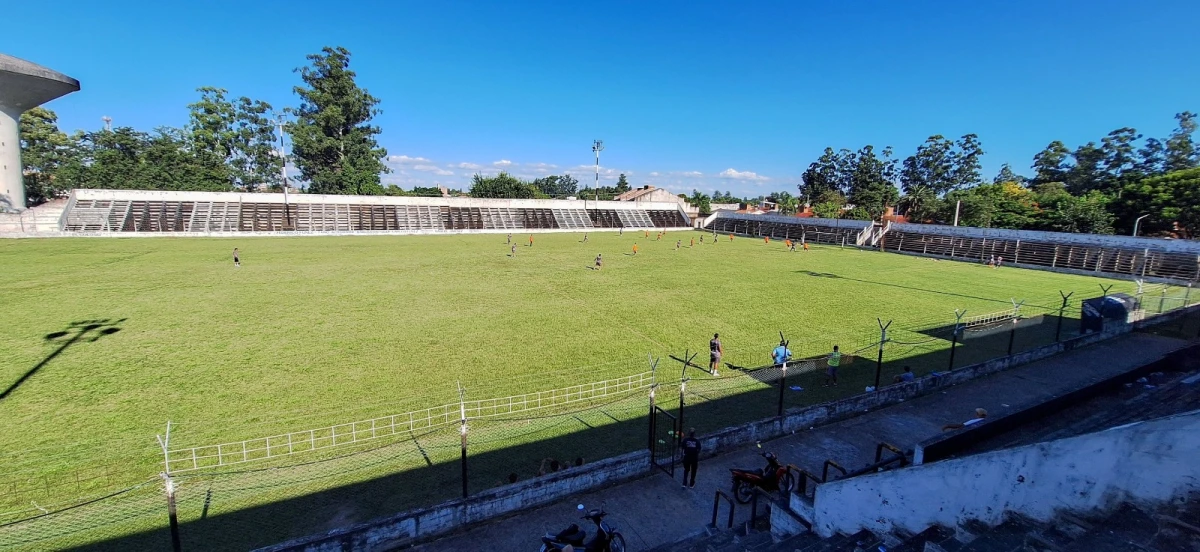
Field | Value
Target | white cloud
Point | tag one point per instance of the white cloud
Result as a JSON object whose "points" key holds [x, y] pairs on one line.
{"points": [[470, 166], [406, 160], [741, 175], [433, 169], [654, 173], [502, 163], [542, 165], [693, 174]]}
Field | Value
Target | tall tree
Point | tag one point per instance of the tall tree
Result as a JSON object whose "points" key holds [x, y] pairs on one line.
{"points": [[1087, 174], [1051, 164], [928, 173], [43, 148], [966, 162], [872, 181], [239, 135], [701, 202], [333, 142], [825, 174], [622, 184], [1151, 157], [1006, 174], [1181, 148], [502, 185], [1120, 155]]}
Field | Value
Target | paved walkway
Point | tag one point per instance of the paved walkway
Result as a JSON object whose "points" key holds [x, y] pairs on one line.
{"points": [[654, 510]]}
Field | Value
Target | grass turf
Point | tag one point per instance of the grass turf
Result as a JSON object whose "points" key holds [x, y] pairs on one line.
{"points": [[316, 331]]}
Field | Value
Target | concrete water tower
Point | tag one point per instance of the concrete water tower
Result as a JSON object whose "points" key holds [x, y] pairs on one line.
{"points": [[23, 86]]}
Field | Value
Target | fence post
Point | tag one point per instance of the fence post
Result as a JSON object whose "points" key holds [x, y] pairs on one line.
{"points": [[653, 388], [1012, 334], [462, 405], [958, 316], [882, 339], [1104, 303], [782, 384], [1061, 310], [1162, 298], [172, 517]]}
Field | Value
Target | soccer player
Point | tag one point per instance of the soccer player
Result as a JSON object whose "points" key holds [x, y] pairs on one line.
{"points": [[766, 239], [715, 350], [513, 247], [678, 243], [531, 240], [693, 244], [833, 362], [585, 237], [791, 246], [730, 238], [635, 248], [701, 238], [236, 258], [599, 261], [806, 246], [999, 261], [509, 238]]}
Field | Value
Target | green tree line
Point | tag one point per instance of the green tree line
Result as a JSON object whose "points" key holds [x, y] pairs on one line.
{"points": [[228, 143]]}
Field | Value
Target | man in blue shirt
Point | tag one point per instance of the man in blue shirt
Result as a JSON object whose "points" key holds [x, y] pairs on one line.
{"points": [[781, 354]]}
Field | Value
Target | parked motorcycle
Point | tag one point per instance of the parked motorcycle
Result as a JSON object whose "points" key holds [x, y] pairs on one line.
{"points": [[607, 538], [774, 477]]}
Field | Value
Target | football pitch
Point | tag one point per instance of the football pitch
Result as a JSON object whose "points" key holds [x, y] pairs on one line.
{"points": [[105, 340]]}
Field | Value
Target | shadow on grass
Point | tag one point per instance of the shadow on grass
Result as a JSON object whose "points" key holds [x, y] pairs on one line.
{"points": [[76, 332], [590, 433], [898, 286]]}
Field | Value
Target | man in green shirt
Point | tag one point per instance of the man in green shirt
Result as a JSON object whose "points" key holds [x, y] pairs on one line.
{"points": [[834, 360]]}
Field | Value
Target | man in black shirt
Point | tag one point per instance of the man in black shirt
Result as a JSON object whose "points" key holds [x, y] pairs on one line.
{"points": [[691, 458]]}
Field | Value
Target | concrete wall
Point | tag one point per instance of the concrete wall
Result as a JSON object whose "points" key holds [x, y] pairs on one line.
{"points": [[786, 219], [1150, 461], [301, 199], [1097, 240], [43, 219]]}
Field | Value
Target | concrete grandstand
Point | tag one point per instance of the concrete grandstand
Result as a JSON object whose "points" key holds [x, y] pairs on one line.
{"points": [[1151, 259], [137, 212]]}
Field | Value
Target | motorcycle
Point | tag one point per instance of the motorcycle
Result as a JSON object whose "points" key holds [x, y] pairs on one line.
{"points": [[774, 477], [607, 538]]}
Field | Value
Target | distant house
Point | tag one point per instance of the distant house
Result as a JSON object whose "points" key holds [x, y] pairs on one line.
{"points": [[650, 193]]}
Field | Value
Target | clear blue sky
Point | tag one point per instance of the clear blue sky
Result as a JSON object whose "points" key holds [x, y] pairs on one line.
{"points": [[680, 92]]}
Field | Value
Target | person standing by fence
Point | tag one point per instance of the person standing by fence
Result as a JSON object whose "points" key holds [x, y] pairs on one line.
{"points": [[715, 350], [781, 354], [691, 458], [833, 362]]}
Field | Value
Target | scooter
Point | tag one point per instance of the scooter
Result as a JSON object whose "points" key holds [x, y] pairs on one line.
{"points": [[607, 538], [774, 477]]}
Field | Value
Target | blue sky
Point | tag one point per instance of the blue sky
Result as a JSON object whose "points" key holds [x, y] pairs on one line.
{"points": [[685, 95]]}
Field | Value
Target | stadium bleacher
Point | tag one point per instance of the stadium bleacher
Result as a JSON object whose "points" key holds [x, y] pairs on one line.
{"points": [[1103, 255], [104, 211]]}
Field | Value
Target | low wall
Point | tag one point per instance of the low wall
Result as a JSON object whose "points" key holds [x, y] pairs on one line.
{"points": [[428, 523], [785, 219], [308, 234], [302, 199], [1150, 461]]}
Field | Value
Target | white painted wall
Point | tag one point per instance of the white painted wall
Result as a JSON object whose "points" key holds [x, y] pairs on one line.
{"points": [[1149, 461], [301, 199], [12, 181], [787, 219]]}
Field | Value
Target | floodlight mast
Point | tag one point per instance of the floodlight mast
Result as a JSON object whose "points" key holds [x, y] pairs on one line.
{"points": [[280, 122], [597, 147]]}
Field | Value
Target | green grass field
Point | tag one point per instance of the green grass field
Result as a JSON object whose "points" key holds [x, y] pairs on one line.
{"points": [[316, 331]]}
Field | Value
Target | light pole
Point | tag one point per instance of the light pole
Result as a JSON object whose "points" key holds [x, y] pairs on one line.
{"points": [[107, 123], [1136, 223], [287, 213], [597, 147]]}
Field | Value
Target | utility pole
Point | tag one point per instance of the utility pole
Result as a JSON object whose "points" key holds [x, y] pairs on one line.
{"points": [[287, 211], [957, 206], [597, 147]]}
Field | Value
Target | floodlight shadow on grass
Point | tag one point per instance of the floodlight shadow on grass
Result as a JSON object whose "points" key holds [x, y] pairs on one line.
{"points": [[76, 331]]}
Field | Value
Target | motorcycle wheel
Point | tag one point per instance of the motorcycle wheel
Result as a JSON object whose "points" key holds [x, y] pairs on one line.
{"points": [[617, 544], [743, 492], [787, 483]]}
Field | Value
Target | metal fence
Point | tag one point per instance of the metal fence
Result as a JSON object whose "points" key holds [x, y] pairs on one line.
{"points": [[256, 492]]}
